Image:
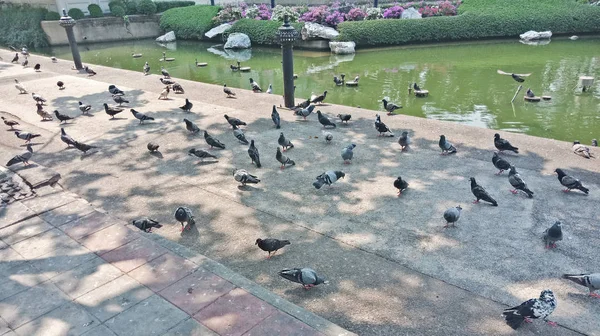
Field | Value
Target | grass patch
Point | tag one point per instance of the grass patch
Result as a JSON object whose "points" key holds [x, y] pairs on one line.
{"points": [[189, 22]]}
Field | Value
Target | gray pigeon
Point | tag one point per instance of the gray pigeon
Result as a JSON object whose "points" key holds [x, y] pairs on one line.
{"points": [[253, 153], [242, 176], [594, 142], [239, 134], [305, 112], [275, 117], [62, 117], [452, 215], [191, 127], [284, 143], [284, 160], [140, 116], [344, 117], [184, 215], [446, 146], [212, 142], [328, 178], [325, 121], [146, 224], [26, 136], [480, 193], [589, 280], [517, 182], [328, 136], [570, 182], [83, 147], [25, 157], [234, 121], [201, 154], [64, 137], [271, 245], [404, 140], [552, 235], [347, 153], [307, 277], [119, 99], [84, 108], [112, 111]]}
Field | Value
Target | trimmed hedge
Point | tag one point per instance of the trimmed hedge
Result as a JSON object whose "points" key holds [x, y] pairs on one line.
{"points": [[260, 31], [131, 7], [146, 7], [162, 6], [20, 25], [95, 11], [52, 16], [479, 19], [76, 13], [115, 3], [118, 11], [189, 22]]}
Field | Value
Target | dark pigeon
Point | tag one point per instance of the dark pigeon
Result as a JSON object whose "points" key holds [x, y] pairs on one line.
{"points": [[187, 107], [239, 134], [570, 182], [140, 116], [62, 117], [518, 183], [271, 245], [212, 142], [253, 153], [275, 117], [401, 185], [446, 146], [234, 121], [500, 163], [344, 117], [115, 90], [325, 121], [190, 126], [201, 154], [284, 160], [480, 193], [184, 215], [64, 137], [502, 144], [284, 142], [146, 224], [552, 235]]}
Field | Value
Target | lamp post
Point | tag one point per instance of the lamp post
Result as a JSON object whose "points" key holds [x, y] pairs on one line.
{"points": [[286, 36], [67, 22]]}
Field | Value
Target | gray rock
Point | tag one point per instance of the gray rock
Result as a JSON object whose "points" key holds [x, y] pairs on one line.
{"points": [[342, 48], [411, 13], [533, 35], [312, 30], [168, 37], [218, 30], [237, 41], [241, 55]]}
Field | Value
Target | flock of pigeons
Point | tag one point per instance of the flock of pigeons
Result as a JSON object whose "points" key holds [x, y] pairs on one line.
{"points": [[540, 307]]}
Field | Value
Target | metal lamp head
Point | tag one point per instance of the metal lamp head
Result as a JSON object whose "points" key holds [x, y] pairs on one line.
{"points": [[66, 20], [286, 33]]}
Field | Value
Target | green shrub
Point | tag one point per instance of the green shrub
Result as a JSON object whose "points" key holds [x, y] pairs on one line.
{"points": [[189, 22], [20, 25], [52, 16], [76, 13], [115, 3], [130, 7], [118, 11], [162, 6], [260, 31], [146, 7], [95, 11]]}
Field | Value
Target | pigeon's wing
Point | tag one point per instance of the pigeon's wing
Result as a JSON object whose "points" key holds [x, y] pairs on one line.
{"points": [[308, 276], [569, 181], [292, 274]]}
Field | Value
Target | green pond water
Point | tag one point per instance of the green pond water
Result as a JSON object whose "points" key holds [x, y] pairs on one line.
{"points": [[461, 78]]}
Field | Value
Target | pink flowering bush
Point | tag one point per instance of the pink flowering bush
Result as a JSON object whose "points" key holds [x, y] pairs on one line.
{"points": [[356, 14], [334, 19], [316, 14], [394, 12]]}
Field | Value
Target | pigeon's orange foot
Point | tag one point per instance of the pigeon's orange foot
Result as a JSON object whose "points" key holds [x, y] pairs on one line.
{"points": [[528, 320], [596, 295], [475, 201], [554, 324], [514, 191]]}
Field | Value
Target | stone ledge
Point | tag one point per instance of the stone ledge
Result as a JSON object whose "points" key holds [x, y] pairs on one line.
{"points": [[35, 175]]}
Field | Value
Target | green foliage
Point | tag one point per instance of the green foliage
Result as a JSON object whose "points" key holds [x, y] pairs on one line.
{"points": [[131, 7], [479, 19], [146, 7], [95, 11], [260, 31], [162, 6], [189, 22], [118, 11], [52, 16], [115, 3], [20, 25], [76, 13]]}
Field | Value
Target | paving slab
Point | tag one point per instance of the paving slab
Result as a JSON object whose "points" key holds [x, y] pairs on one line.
{"points": [[86, 277], [86, 225], [61, 260], [18, 279], [109, 239], [31, 304], [190, 327], [4, 329], [44, 243], [280, 323], [52, 200], [134, 254], [14, 212], [67, 213], [25, 229], [163, 271], [68, 319], [100, 330]]}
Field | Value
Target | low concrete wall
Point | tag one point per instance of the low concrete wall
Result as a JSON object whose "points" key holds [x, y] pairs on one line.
{"points": [[104, 29]]}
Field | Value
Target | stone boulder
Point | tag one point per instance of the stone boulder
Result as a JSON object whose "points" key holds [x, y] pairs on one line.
{"points": [[237, 41], [342, 48], [218, 30], [411, 13], [168, 37], [533, 35], [312, 30]]}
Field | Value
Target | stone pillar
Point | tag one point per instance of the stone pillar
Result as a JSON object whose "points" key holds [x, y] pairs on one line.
{"points": [[68, 23], [287, 35]]}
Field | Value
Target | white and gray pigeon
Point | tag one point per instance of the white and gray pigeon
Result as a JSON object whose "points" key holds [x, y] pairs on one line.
{"points": [[552, 235], [25, 157], [284, 142], [84, 108], [307, 277], [382, 128], [184, 215], [328, 178], [254, 155], [38, 98], [146, 69], [589, 280], [305, 112], [326, 122], [26, 135], [201, 154], [20, 87], [140, 116], [190, 126], [64, 137], [113, 89], [404, 140], [347, 153], [239, 134], [452, 215], [242, 176], [328, 136], [514, 178], [275, 117], [146, 224], [582, 150], [212, 142], [284, 160], [541, 307], [446, 146]]}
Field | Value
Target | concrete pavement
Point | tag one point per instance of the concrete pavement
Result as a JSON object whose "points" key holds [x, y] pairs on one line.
{"points": [[393, 269]]}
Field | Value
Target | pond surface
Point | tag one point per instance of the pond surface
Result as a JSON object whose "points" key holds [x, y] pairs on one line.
{"points": [[461, 78]]}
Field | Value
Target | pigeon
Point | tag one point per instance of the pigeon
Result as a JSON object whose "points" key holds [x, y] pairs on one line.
{"points": [[271, 245], [228, 91], [164, 93], [119, 99], [344, 117], [339, 81], [184, 215], [64, 137], [15, 59], [284, 142], [146, 69], [594, 142], [517, 182], [61, 117], [446, 146], [37, 67], [89, 71], [39, 99], [328, 178], [212, 142], [26, 136], [45, 115], [500, 163], [239, 134], [54, 60], [319, 99], [530, 93], [234, 121], [115, 90], [324, 120], [502, 144], [188, 106], [541, 307], [307, 277], [381, 127], [242, 176], [146, 224], [284, 160], [270, 89], [152, 147], [589, 280], [167, 81], [255, 86], [140, 116], [328, 136], [24, 158], [390, 107], [517, 77], [10, 123], [24, 51], [452, 215], [275, 117], [347, 153], [581, 150], [305, 112], [201, 154], [552, 235], [404, 140], [416, 87], [84, 108], [253, 153], [302, 105], [570, 182], [190, 126], [480, 193], [235, 68], [177, 88], [83, 147], [20, 87], [111, 110], [401, 185], [164, 72], [25, 62], [61, 85]]}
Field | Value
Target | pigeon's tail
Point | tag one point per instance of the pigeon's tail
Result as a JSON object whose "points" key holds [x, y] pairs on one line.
{"points": [[493, 201], [584, 189], [514, 149], [257, 161], [289, 274], [528, 192], [576, 278], [293, 163], [513, 319], [284, 242], [149, 118], [278, 127], [318, 183]]}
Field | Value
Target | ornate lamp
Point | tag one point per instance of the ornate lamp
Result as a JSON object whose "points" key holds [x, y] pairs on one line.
{"points": [[68, 23], [286, 37]]}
